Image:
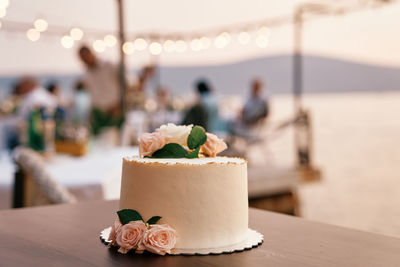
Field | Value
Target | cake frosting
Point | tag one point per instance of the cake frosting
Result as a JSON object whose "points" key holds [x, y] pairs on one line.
{"points": [[203, 199], [177, 196]]}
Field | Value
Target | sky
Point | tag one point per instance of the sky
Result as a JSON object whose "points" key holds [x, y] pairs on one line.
{"points": [[370, 36]]}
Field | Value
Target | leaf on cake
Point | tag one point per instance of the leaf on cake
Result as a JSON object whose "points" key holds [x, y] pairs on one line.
{"points": [[194, 154], [197, 137], [128, 215], [171, 150], [153, 220]]}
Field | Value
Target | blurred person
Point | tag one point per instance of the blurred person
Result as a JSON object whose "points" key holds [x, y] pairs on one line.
{"points": [[254, 112], [54, 89], [205, 111], [81, 104], [164, 113], [33, 96], [256, 108], [102, 82], [36, 111]]}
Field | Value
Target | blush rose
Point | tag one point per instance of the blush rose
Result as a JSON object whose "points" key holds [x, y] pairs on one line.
{"points": [[114, 231], [130, 235], [213, 145], [159, 239], [150, 143]]}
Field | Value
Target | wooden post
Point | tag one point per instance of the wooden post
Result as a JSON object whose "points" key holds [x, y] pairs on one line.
{"points": [[122, 64]]}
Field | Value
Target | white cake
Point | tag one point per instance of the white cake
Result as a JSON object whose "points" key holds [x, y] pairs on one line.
{"points": [[203, 199]]}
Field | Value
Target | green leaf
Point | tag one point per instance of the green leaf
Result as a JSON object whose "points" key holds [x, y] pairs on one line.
{"points": [[153, 220], [171, 150], [194, 154], [197, 137], [127, 215]]}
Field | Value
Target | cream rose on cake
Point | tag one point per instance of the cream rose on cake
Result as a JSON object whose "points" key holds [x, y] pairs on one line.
{"points": [[180, 141], [175, 133]]}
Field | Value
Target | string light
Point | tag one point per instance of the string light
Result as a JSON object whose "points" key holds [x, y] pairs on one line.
{"points": [[99, 46], [76, 34], [67, 41], [262, 41], [3, 12], [222, 40], [4, 3], [128, 48], [140, 44], [244, 38], [40, 25], [110, 40], [264, 31], [169, 46], [205, 42], [33, 35], [180, 46], [195, 45], [155, 48]]}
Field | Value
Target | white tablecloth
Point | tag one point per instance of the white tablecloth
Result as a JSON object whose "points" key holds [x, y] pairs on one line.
{"points": [[100, 167]]}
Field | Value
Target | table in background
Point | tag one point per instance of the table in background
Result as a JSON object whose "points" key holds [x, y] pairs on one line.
{"points": [[93, 176], [68, 235]]}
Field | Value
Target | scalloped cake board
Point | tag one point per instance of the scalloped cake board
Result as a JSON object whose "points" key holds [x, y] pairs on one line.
{"points": [[254, 239]]}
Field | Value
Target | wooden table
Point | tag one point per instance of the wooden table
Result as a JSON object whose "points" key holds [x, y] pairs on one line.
{"points": [[68, 235]]}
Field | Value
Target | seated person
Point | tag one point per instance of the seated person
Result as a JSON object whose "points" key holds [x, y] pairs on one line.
{"points": [[256, 108]]}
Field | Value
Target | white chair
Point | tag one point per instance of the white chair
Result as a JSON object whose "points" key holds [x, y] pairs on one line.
{"points": [[33, 185]]}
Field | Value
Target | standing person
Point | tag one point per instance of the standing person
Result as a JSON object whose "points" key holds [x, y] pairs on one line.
{"points": [[102, 82], [256, 108]]}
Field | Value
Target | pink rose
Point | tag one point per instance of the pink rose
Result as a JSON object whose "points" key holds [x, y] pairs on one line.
{"points": [[114, 231], [130, 235], [213, 145], [151, 142], [159, 239]]}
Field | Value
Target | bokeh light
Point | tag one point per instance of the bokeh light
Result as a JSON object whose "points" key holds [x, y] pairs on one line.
{"points": [[205, 42], [128, 48], [76, 34], [222, 40], [155, 48], [110, 40], [3, 12], [40, 25], [4, 3], [262, 41], [169, 46], [33, 35], [67, 41], [99, 46], [180, 46], [195, 45], [264, 31], [140, 44], [244, 38]]}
